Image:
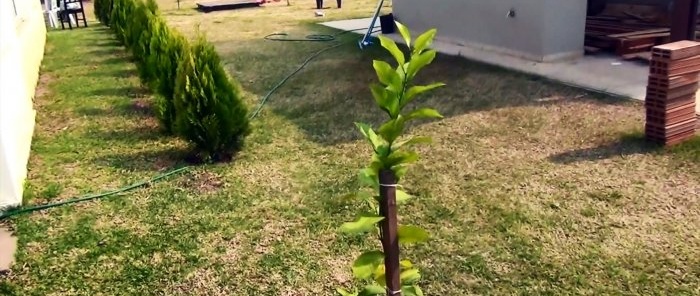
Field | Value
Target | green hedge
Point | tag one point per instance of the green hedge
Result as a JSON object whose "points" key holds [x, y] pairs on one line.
{"points": [[208, 107], [169, 46], [195, 97]]}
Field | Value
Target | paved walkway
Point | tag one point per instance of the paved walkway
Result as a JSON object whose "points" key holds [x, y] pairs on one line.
{"points": [[600, 73]]}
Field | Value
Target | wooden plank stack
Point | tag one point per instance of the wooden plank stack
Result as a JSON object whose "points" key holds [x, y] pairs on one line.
{"points": [[670, 101], [628, 37]]}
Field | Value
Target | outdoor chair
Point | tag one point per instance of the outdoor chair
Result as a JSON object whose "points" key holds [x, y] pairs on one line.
{"points": [[69, 11]]}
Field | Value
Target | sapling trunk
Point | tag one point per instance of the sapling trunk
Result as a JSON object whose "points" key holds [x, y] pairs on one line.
{"points": [[389, 231]]}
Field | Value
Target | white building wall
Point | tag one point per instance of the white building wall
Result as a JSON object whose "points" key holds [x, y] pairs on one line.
{"points": [[22, 39]]}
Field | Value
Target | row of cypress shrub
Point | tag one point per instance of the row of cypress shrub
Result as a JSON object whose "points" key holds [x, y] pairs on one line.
{"points": [[195, 97]]}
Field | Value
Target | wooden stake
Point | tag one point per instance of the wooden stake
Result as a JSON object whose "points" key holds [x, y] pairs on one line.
{"points": [[389, 231]]}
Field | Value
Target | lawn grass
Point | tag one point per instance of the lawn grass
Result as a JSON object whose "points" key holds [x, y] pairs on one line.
{"points": [[530, 188]]}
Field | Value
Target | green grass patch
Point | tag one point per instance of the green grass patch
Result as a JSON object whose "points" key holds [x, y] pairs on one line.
{"points": [[529, 188]]}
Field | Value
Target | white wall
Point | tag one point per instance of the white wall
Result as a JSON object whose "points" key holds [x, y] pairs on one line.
{"points": [[541, 30], [22, 39]]}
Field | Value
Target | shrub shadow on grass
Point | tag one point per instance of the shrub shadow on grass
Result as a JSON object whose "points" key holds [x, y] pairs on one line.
{"points": [[626, 145], [115, 61], [129, 91], [135, 135], [121, 73], [332, 92], [149, 160]]}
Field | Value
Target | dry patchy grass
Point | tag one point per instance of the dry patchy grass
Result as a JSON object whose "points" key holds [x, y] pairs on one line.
{"points": [[529, 188]]}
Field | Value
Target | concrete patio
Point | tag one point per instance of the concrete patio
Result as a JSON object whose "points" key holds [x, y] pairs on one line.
{"points": [[600, 73]]}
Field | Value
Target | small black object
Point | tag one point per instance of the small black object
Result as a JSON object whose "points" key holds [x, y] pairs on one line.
{"points": [[387, 23], [319, 4]]}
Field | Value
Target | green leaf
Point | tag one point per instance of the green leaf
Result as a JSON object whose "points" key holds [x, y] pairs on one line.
{"points": [[423, 113], [411, 141], [360, 195], [387, 75], [390, 45], [405, 264], [409, 276], [399, 171], [419, 61], [392, 129], [401, 157], [372, 290], [402, 196], [368, 177], [370, 135], [365, 265], [381, 96], [363, 224], [411, 291], [424, 41], [344, 292], [412, 234], [380, 275], [404, 33], [416, 90]]}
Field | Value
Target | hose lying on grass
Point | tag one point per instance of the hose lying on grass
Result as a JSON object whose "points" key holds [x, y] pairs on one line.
{"points": [[272, 37], [24, 210], [308, 38]]}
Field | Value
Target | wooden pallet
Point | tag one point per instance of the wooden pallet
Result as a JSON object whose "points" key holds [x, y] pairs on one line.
{"points": [[227, 5]]}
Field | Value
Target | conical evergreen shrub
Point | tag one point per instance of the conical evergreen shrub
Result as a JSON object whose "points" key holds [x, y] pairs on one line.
{"points": [[103, 10], [209, 110], [166, 50], [140, 29]]}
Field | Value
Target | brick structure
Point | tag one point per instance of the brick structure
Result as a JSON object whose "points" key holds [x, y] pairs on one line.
{"points": [[670, 101]]}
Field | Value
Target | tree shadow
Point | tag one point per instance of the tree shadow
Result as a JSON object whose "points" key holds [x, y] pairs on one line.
{"points": [[150, 160], [626, 145], [140, 109], [135, 135], [331, 93], [114, 59], [119, 73], [112, 43], [128, 91]]}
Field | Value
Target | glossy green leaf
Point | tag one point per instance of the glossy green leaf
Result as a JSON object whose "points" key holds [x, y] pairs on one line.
{"points": [[405, 33], [380, 275], [405, 264], [392, 129], [412, 234], [401, 157], [423, 113], [365, 265], [383, 100], [387, 75], [360, 195], [368, 177], [363, 224], [414, 91], [344, 292], [411, 141], [402, 197], [399, 171], [419, 61], [424, 41], [370, 135], [391, 46], [409, 276], [411, 290], [372, 290]]}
